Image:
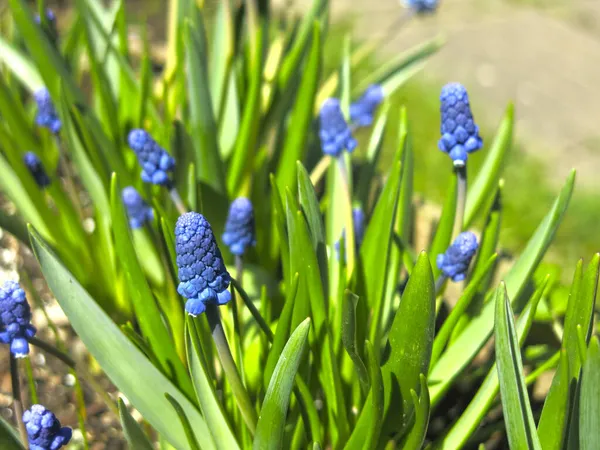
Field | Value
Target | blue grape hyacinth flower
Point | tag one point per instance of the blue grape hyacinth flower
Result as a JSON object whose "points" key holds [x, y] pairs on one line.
{"points": [[138, 210], [460, 134], [36, 168], [422, 6], [46, 115], [15, 319], [202, 273], [155, 161], [358, 219], [334, 132], [363, 110], [455, 262], [239, 229], [44, 430]]}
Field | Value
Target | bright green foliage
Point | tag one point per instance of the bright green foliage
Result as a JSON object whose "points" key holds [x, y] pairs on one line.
{"points": [[351, 346]]}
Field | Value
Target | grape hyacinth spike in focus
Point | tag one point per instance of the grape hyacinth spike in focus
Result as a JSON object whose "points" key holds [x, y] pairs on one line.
{"points": [[138, 210], [202, 273], [334, 132], [34, 164], [358, 219], [422, 6], [15, 319], [155, 161], [44, 430], [460, 134], [239, 228], [455, 262], [46, 115], [363, 110]]}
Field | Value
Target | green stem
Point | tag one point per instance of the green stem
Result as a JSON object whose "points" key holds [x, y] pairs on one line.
{"points": [[320, 169], [177, 200], [17, 399], [239, 268], [253, 310], [31, 381], [461, 201], [229, 367]]}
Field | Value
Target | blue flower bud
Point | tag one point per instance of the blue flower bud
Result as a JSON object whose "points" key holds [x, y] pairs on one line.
{"points": [[155, 161], [44, 430], [362, 111], [239, 228], [460, 134], [202, 273], [138, 210], [46, 115], [50, 17], [334, 132], [358, 219], [422, 6], [34, 164], [455, 262], [15, 318]]}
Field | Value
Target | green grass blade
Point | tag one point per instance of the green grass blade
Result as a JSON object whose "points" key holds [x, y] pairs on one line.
{"points": [[443, 232], [518, 417], [122, 362], [466, 346], [490, 172], [185, 423], [13, 113], [20, 66], [136, 438], [349, 338], [9, 437], [589, 404], [272, 418]]}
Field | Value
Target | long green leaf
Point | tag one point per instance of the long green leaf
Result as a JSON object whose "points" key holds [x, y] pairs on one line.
{"points": [[136, 438], [518, 417], [589, 400], [189, 434], [443, 232], [123, 363], [20, 66], [349, 337], [415, 438], [466, 346], [272, 418]]}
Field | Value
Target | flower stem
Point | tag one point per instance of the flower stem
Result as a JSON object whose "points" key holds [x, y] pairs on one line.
{"points": [[439, 284], [17, 399], [239, 268], [30, 380], [461, 201], [177, 200], [229, 367], [320, 169]]}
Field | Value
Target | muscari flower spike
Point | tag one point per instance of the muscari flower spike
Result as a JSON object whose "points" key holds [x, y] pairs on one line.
{"points": [[422, 6], [138, 210], [358, 218], [460, 134], [44, 430], [155, 161], [46, 116], [455, 262], [34, 164], [239, 228], [202, 273], [334, 132], [362, 111], [15, 319]]}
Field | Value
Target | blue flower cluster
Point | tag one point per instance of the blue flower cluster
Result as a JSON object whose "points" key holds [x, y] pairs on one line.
{"points": [[334, 132], [358, 219], [46, 115], [422, 6], [202, 273], [455, 262], [155, 161], [15, 319], [363, 110], [239, 228], [460, 134], [138, 210], [36, 168], [44, 430]]}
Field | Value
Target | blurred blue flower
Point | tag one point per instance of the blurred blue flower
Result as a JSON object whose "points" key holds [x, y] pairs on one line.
{"points": [[455, 262], [239, 228], [422, 6], [15, 319], [358, 219], [44, 430], [138, 210], [46, 115], [460, 134], [34, 164], [362, 111], [202, 273], [50, 17], [334, 132], [155, 161]]}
